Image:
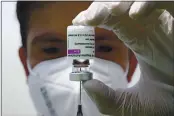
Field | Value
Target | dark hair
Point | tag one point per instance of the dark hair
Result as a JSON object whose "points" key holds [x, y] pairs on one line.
{"points": [[22, 12]]}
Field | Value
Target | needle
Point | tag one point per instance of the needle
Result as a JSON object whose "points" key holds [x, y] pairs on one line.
{"points": [[79, 112]]}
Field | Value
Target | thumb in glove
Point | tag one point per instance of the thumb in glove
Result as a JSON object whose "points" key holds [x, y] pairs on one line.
{"points": [[135, 101]]}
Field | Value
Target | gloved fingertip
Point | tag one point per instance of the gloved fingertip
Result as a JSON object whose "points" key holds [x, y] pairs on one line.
{"points": [[75, 22], [136, 10], [133, 15], [95, 88], [119, 8], [80, 19], [91, 85], [102, 95], [140, 10]]}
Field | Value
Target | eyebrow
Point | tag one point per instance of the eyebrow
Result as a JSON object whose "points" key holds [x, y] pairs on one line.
{"points": [[48, 37]]}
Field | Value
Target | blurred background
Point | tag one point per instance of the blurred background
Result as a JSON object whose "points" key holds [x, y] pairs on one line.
{"points": [[15, 97]]}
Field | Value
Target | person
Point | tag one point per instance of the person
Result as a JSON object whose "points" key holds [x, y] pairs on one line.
{"points": [[43, 28], [152, 96], [147, 29]]}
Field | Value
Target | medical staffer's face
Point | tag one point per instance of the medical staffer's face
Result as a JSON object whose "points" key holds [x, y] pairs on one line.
{"points": [[47, 34]]}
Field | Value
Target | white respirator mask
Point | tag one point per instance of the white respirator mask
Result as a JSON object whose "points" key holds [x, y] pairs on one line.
{"points": [[53, 93]]}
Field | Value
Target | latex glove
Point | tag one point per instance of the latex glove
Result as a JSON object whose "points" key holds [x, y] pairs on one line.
{"points": [[151, 40]]}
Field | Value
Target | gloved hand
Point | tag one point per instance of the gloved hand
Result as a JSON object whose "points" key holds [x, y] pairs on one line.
{"points": [[147, 31]]}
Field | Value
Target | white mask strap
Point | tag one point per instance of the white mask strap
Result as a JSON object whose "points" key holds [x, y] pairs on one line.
{"points": [[127, 70], [29, 67]]}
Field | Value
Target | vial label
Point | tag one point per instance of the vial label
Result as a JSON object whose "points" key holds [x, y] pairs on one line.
{"points": [[80, 44]]}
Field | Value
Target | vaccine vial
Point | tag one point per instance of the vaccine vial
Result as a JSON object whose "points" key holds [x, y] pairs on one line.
{"points": [[80, 42], [80, 49]]}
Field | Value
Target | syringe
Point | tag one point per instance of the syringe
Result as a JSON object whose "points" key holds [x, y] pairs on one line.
{"points": [[80, 73], [79, 111]]}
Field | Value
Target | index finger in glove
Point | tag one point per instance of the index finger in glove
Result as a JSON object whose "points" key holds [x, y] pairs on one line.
{"points": [[93, 16], [141, 9], [98, 12]]}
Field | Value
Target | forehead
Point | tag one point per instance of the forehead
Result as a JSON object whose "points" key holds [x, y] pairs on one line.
{"points": [[54, 17]]}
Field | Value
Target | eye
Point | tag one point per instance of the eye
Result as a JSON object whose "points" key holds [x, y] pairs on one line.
{"points": [[51, 50], [103, 48]]}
